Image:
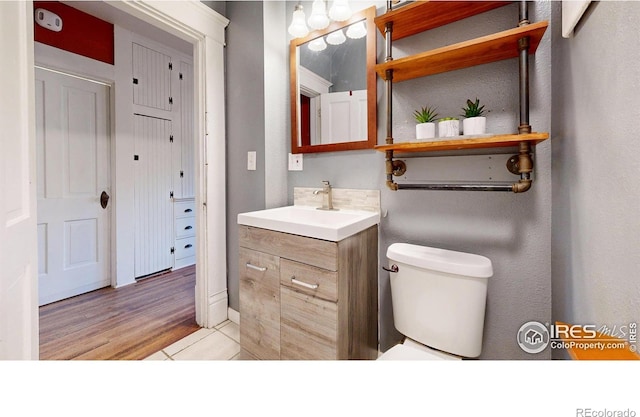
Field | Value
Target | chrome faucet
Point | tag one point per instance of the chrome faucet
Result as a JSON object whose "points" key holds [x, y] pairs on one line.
{"points": [[327, 202]]}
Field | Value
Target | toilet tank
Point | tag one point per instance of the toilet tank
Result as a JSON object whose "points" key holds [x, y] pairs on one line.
{"points": [[439, 296]]}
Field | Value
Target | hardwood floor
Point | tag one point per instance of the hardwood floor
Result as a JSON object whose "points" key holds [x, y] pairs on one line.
{"points": [[131, 322]]}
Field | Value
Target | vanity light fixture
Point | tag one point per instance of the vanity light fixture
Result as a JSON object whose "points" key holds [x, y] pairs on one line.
{"points": [[298, 27], [317, 45], [318, 19], [336, 38], [339, 12], [357, 30]]}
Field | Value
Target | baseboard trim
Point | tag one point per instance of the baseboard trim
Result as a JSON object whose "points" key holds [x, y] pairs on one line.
{"points": [[233, 316]]}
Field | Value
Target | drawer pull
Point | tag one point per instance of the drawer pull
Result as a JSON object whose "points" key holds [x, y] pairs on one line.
{"points": [[188, 210], [188, 246], [257, 268], [304, 284], [188, 227]]}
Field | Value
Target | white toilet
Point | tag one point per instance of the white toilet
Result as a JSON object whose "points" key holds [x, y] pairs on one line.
{"points": [[439, 298]]}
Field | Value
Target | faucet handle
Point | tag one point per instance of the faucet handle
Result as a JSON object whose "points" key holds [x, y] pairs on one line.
{"points": [[326, 183]]}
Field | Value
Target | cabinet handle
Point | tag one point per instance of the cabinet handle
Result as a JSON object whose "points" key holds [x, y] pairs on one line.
{"points": [[188, 227], [188, 246], [188, 211], [257, 268], [304, 284]]}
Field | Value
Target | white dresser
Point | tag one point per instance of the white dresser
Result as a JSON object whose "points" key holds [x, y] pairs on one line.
{"points": [[184, 212]]}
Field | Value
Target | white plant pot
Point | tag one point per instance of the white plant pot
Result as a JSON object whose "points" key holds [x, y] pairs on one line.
{"points": [[425, 131], [448, 128], [474, 126]]}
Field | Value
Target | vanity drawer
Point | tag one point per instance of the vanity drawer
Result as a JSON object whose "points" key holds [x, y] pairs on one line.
{"points": [[185, 227], [304, 278], [185, 247], [316, 252], [184, 209]]}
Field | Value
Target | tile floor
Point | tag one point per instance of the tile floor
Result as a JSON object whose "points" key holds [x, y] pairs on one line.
{"points": [[219, 343]]}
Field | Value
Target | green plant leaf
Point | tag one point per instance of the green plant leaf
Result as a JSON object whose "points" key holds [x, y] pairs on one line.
{"points": [[425, 115], [473, 109]]}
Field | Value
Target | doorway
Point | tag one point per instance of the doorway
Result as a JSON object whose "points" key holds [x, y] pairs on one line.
{"points": [[204, 29]]}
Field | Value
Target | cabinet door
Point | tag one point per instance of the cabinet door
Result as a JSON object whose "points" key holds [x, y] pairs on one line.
{"points": [[309, 326], [153, 212], [260, 304], [151, 78]]}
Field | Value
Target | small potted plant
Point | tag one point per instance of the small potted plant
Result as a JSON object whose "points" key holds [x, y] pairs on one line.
{"points": [[474, 123], [448, 127], [426, 127]]}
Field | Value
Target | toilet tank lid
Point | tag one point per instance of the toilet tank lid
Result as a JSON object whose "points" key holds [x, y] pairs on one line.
{"points": [[442, 260]]}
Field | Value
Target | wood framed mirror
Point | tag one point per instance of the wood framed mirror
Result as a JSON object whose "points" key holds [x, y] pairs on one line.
{"points": [[333, 90]]}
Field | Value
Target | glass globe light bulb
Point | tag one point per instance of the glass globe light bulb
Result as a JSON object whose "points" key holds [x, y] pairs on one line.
{"points": [[336, 38], [340, 10], [318, 18], [357, 31], [298, 27], [317, 45]]}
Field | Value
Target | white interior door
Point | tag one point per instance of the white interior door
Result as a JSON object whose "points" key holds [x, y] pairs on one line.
{"points": [[344, 116], [72, 144], [18, 259]]}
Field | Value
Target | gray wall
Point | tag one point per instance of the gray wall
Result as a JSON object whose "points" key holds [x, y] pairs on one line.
{"points": [[276, 97], [596, 193], [245, 120], [514, 231], [218, 6]]}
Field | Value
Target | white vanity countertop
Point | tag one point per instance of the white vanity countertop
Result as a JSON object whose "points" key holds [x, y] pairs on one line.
{"points": [[332, 225]]}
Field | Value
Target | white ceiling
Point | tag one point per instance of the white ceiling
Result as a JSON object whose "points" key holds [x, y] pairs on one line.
{"points": [[113, 15]]}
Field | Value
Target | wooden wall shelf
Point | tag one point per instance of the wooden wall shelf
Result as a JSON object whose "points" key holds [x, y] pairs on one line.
{"points": [[462, 143], [424, 15], [483, 50]]}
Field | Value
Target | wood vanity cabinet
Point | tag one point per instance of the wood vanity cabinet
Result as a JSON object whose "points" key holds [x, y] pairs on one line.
{"points": [[306, 298]]}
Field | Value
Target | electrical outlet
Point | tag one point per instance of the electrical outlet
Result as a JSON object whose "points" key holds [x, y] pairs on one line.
{"points": [[295, 162], [251, 160]]}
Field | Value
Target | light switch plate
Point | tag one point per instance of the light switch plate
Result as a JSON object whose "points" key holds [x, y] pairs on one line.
{"points": [[251, 160], [295, 162]]}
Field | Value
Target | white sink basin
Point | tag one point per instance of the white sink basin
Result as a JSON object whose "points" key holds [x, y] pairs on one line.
{"points": [[310, 222]]}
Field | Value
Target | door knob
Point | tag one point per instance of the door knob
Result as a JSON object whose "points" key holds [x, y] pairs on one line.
{"points": [[104, 199]]}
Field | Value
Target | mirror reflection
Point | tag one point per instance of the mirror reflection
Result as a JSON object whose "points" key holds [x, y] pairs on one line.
{"points": [[333, 83], [332, 75]]}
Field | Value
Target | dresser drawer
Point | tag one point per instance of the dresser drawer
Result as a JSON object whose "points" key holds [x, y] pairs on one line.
{"points": [[185, 247], [184, 209], [309, 279], [185, 227]]}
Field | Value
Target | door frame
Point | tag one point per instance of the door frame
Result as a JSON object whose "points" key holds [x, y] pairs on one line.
{"points": [[205, 30]]}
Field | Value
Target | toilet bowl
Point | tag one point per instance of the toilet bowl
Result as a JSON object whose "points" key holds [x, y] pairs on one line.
{"points": [[439, 299]]}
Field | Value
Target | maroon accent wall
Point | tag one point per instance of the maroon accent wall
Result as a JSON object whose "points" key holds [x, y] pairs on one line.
{"points": [[305, 120], [81, 33]]}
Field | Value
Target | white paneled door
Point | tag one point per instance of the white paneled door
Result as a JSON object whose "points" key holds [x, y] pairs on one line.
{"points": [[344, 116], [73, 185]]}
